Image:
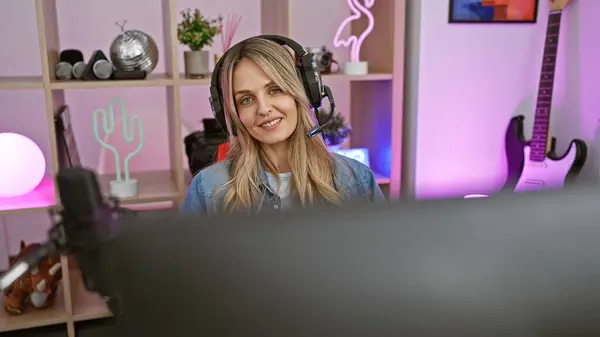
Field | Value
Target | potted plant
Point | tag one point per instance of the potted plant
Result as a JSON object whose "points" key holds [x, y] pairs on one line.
{"points": [[336, 133], [197, 32]]}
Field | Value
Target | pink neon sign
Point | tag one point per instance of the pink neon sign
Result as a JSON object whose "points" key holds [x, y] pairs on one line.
{"points": [[354, 42]]}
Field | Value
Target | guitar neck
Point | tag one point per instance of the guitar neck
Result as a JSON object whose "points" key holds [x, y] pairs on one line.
{"points": [[541, 123]]}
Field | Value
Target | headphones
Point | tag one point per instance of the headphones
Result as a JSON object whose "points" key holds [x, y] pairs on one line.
{"points": [[307, 70]]}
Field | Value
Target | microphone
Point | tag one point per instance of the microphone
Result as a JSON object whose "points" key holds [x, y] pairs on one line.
{"points": [[79, 192], [320, 127], [85, 222]]}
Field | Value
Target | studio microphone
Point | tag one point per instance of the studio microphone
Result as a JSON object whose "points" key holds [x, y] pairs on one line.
{"points": [[78, 193], [86, 220], [83, 224]]}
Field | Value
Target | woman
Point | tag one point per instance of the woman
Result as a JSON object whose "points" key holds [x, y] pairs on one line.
{"points": [[272, 164]]}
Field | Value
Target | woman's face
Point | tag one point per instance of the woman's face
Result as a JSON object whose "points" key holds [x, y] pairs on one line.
{"points": [[269, 114]]}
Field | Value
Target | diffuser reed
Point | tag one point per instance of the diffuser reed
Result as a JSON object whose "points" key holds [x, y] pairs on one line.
{"points": [[228, 32]]}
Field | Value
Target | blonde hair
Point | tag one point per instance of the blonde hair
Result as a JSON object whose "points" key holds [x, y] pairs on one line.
{"points": [[312, 175]]}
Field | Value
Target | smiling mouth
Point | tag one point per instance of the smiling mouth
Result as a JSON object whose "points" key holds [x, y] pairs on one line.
{"points": [[271, 123]]}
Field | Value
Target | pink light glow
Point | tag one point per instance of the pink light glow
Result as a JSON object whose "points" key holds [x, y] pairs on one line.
{"points": [[355, 43], [42, 196], [476, 196], [22, 165]]}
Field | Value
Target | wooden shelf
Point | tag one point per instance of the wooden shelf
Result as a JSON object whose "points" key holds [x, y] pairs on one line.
{"points": [[338, 77], [86, 305], [21, 82], [35, 317], [381, 179], [154, 186], [193, 81], [153, 80], [368, 77], [39, 199]]}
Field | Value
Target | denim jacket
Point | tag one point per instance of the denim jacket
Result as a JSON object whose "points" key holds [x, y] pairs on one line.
{"points": [[353, 180]]}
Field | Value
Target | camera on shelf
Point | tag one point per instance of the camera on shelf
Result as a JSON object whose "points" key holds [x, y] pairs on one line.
{"points": [[324, 59]]}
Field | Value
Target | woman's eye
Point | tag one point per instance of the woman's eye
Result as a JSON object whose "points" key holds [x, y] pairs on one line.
{"points": [[275, 91], [245, 100]]}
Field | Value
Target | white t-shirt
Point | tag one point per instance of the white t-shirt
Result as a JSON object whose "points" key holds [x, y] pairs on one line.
{"points": [[284, 188]]}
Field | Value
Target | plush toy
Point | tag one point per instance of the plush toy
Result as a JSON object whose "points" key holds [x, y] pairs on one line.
{"points": [[37, 287]]}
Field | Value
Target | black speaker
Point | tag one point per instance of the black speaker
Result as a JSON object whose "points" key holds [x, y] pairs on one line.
{"points": [[99, 67], [70, 64]]}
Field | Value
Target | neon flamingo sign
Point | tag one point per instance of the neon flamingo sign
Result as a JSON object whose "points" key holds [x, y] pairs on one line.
{"points": [[354, 42]]}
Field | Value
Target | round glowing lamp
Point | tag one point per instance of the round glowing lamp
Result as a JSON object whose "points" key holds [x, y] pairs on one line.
{"points": [[22, 165]]}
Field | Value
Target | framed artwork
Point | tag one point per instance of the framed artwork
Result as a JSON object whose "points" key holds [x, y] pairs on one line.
{"points": [[493, 11]]}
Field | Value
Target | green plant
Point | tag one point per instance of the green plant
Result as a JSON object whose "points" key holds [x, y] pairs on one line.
{"points": [[196, 31]]}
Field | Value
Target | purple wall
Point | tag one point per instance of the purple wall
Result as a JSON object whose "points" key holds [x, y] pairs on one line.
{"points": [[466, 81]]}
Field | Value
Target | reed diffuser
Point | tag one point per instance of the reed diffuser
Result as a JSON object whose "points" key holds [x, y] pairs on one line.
{"points": [[228, 32]]}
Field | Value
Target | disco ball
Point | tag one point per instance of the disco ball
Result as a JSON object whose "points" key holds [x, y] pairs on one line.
{"points": [[134, 50]]}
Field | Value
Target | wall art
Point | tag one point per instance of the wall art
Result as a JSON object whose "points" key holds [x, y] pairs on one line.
{"points": [[493, 11]]}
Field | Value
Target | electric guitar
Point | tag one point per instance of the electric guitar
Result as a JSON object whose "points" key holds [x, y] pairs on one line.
{"points": [[534, 165]]}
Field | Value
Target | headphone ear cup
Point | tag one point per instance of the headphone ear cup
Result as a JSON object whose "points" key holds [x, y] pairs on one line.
{"points": [[218, 109], [223, 122], [312, 94], [311, 78]]}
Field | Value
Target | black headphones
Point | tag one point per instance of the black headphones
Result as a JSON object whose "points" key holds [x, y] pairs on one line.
{"points": [[307, 71]]}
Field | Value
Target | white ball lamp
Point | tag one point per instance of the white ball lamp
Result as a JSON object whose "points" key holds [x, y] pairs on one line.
{"points": [[22, 165]]}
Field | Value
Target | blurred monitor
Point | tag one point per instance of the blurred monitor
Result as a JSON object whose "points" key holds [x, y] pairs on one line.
{"points": [[523, 265]]}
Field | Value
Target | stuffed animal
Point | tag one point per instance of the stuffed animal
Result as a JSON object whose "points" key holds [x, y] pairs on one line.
{"points": [[37, 287]]}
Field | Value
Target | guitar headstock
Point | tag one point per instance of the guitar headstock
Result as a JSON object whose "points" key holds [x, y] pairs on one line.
{"points": [[558, 5]]}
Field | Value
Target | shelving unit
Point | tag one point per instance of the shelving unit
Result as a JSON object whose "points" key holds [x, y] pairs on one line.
{"points": [[375, 115]]}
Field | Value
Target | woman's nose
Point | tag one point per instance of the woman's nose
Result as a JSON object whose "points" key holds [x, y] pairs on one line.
{"points": [[264, 106]]}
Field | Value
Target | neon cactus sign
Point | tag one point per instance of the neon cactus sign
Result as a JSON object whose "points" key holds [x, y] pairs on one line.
{"points": [[354, 42], [121, 187]]}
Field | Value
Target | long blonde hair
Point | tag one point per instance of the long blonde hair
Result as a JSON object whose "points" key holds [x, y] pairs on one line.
{"points": [[312, 175]]}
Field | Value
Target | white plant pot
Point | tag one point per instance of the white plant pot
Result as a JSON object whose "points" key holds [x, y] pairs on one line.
{"points": [[124, 188], [196, 63], [356, 68]]}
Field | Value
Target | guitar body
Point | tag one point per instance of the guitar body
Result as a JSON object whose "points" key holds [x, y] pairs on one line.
{"points": [[514, 145], [533, 164], [552, 173]]}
